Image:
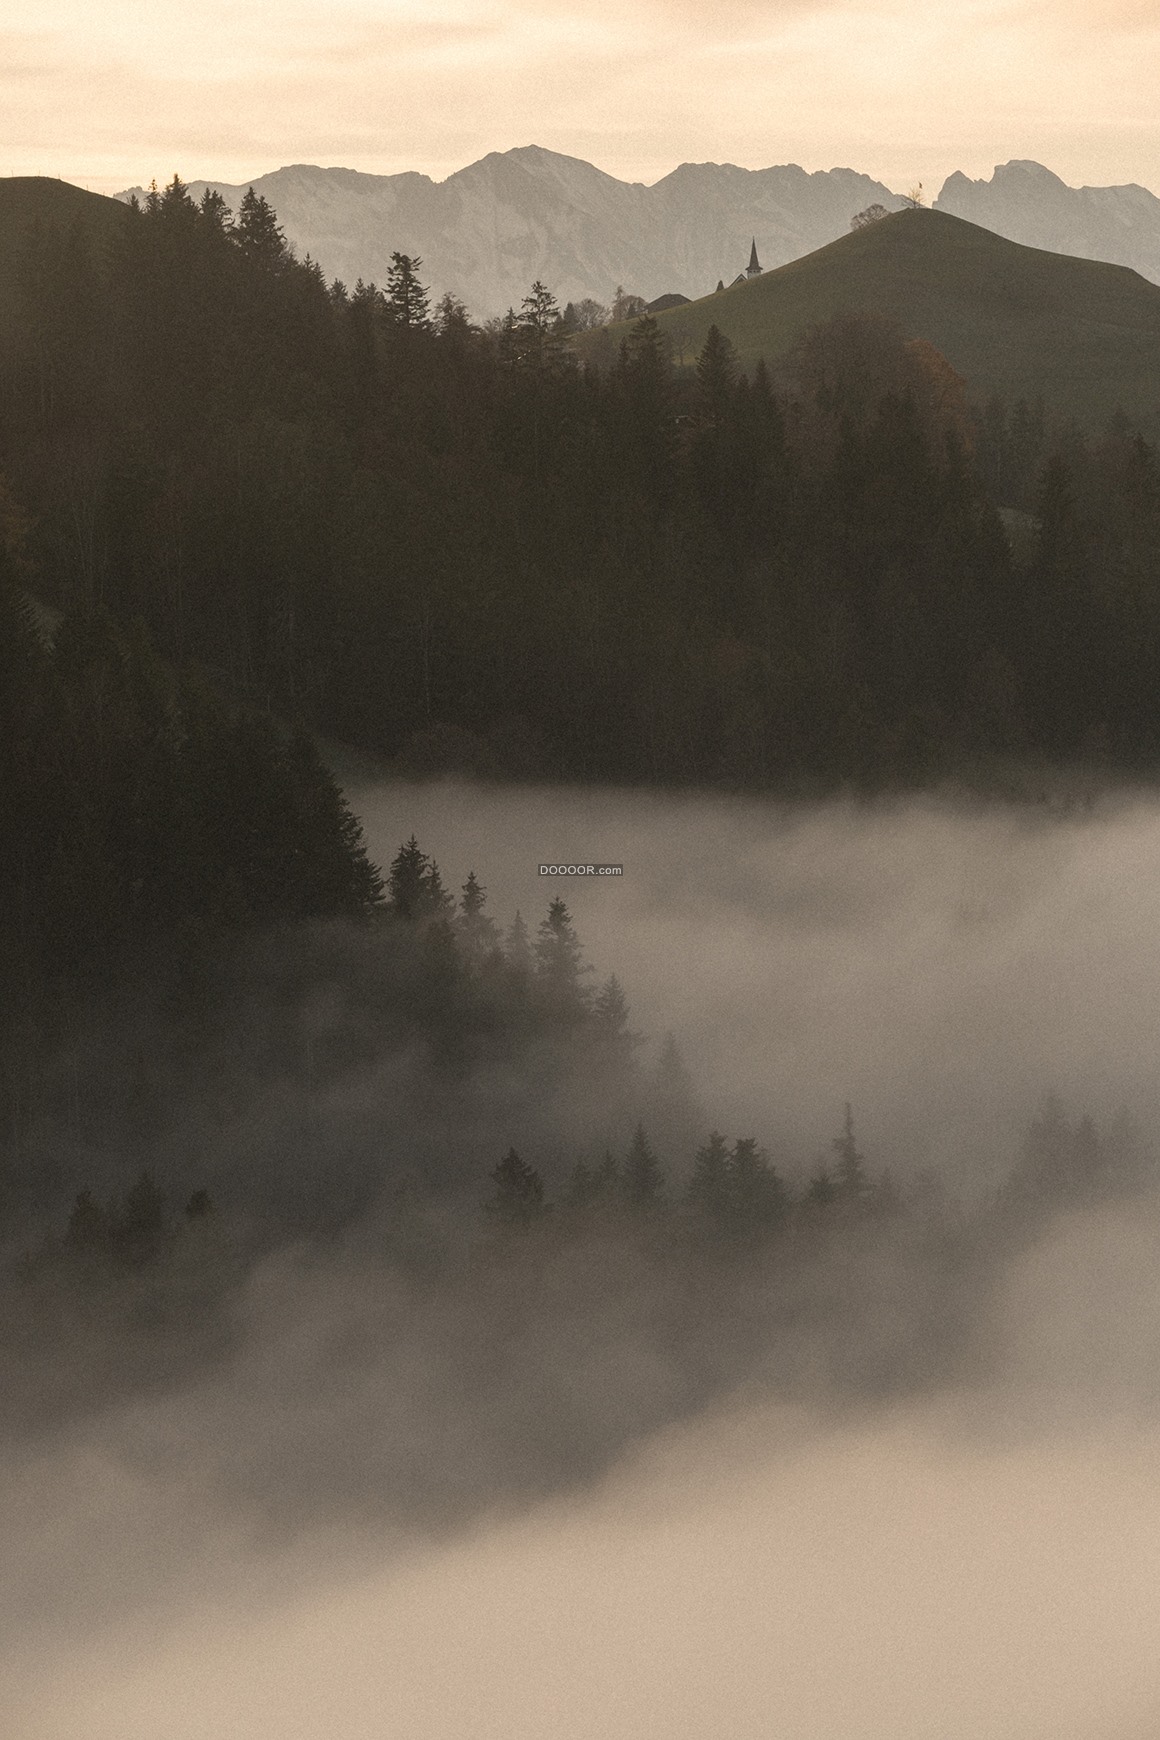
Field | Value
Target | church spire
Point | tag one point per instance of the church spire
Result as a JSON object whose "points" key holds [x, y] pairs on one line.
{"points": [[753, 270]]}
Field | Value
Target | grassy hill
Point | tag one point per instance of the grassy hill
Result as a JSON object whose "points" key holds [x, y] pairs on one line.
{"points": [[1013, 320], [31, 204]]}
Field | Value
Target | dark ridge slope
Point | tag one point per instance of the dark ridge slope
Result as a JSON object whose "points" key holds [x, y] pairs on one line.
{"points": [[1013, 320], [36, 210]]}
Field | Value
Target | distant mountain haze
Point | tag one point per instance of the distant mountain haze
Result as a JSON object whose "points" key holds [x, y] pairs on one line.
{"points": [[1028, 204], [490, 229], [1083, 335]]}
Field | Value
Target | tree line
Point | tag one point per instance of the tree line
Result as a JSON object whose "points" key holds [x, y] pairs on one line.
{"points": [[733, 1192], [731, 1201]]}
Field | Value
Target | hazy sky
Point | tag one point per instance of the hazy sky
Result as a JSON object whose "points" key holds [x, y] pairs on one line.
{"points": [[113, 94]]}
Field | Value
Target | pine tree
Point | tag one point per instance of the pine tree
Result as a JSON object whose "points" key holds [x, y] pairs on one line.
{"points": [[518, 1198], [709, 1186], [643, 384], [508, 347], [176, 208], [559, 963], [407, 303], [758, 1198], [821, 1190], [215, 213], [606, 1178], [452, 321], [478, 936], [440, 902], [610, 1020], [333, 874], [716, 380], [258, 234], [518, 949], [673, 1081], [674, 1113], [1025, 452], [542, 346], [642, 1179], [414, 886]]}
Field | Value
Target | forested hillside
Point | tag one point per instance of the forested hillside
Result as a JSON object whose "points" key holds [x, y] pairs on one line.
{"points": [[1015, 321], [461, 548]]}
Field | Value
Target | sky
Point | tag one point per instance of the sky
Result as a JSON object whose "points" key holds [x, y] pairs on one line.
{"points": [[112, 95]]}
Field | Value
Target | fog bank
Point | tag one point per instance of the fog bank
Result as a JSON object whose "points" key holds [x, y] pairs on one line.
{"points": [[941, 968], [745, 1578], [978, 1563], [876, 1484]]}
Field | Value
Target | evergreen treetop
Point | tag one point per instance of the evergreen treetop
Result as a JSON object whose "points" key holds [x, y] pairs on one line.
{"points": [[642, 1178], [558, 958], [518, 1197], [407, 304], [259, 234]]}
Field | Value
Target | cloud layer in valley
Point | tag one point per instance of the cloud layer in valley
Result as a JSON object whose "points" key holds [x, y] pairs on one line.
{"points": [[942, 970], [962, 1565], [594, 1489]]}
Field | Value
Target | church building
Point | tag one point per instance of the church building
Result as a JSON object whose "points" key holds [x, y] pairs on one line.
{"points": [[753, 270]]}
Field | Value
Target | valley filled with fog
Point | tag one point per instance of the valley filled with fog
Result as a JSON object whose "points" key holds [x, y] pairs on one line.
{"points": [[940, 967], [867, 1483]]}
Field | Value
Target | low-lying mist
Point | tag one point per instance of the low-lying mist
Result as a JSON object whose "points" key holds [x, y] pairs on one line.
{"points": [[940, 967], [884, 1475], [979, 1564]]}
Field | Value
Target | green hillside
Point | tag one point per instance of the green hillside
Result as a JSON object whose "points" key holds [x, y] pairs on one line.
{"points": [[37, 209], [29, 199], [1013, 320]]}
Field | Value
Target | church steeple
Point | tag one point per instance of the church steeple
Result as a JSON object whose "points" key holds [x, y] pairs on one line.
{"points": [[753, 270]]}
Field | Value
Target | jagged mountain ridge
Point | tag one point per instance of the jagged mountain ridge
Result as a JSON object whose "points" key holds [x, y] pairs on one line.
{"points": [[1027, 203], [490, 229]]}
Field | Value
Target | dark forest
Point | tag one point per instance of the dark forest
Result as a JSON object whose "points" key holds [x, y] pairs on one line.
{"points": [[470, 550]]}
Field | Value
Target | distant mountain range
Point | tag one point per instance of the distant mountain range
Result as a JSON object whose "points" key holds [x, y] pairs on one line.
{"points": [[1028, 204], [1013, 320], [489, 230]]}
